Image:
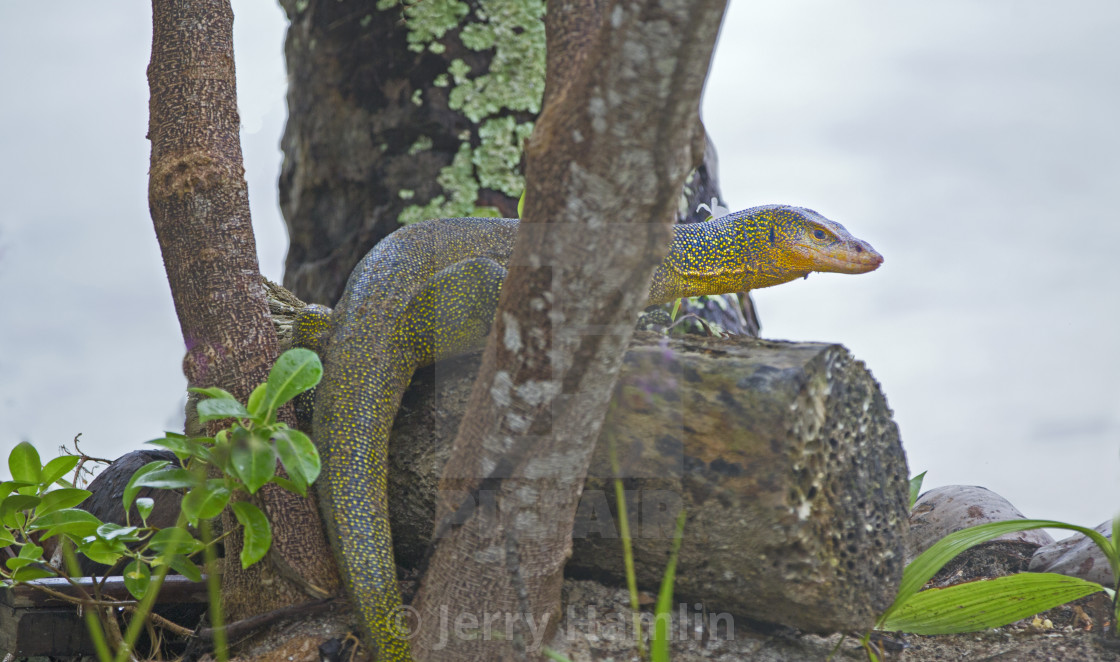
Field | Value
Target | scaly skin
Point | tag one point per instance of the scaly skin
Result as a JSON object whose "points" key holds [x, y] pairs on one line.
{"points": [[429, 291]]}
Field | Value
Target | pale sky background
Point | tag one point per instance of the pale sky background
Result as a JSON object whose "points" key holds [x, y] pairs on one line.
{"points": [[974, 143]]}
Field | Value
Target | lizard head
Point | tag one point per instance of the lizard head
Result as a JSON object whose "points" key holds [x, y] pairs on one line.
{"points": [[788, 243], [810, 242], [755, 248]]}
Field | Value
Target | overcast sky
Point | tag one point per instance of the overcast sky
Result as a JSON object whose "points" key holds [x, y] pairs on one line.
{"points": [[973, 143]]}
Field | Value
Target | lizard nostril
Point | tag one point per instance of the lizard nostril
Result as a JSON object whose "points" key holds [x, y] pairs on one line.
{"points": [[859, 249]]}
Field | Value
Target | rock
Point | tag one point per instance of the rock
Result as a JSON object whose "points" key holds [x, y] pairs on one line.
{"points": [[1076, 556], [947, 509]]}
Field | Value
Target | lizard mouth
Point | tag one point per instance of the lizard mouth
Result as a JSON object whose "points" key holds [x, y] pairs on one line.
{"points": [[855, 257]]}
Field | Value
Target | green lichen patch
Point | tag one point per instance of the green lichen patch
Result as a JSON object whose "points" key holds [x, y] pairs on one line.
{"points": [[459, 182], [512, 83], [498, 155], [429, 20], [421, 144], [515, 80]]}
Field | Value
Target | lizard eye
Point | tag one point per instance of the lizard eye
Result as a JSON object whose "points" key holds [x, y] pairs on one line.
{"points": [[819, 234]]}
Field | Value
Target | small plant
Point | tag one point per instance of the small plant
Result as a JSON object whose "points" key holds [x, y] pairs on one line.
{"points": [[916, 488], [244, 454], [991, 603], [27, 504], [237, 460]]}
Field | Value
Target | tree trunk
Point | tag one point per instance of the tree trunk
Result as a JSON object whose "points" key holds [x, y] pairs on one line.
{"points": [[200, 207], [618, 134], [372, 135]]}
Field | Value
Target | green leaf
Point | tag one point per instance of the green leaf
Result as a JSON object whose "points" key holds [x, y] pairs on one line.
{"points": [[182, 447], [212, 410], [253, 460], [67, 497], [659, 647], [73, 522], [218, 456], [132, 489], [31, 552], [107, 552], [676, 309], [186, 568], [203, 453], [206, 500], [167, 478], [213, 392], [6, 537], [985, 604], [916, 488], [1115, 540], [137, 578], [521, 205], [256, 399], [32, 572], [258, 535], [296, 370], [289, 485], [114, 531], [299, 456], [15, 563], [921, 569], [58, 467], [144, 506], [9, 486], [174, 540], [24, 464], [13, 505]]}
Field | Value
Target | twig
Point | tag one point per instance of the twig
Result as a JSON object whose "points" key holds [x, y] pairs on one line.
{"points": [[86, 601], [164, 623], [82, 459], [249, 625]]}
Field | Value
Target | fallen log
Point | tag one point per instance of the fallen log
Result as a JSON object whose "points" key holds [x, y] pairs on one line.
{"points": [[784, 456]]}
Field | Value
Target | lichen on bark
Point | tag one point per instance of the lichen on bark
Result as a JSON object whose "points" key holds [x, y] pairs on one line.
{"points": [[513, 84]]}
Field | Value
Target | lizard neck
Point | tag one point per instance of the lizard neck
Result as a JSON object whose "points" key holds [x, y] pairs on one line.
{"points": [[703, 258]]}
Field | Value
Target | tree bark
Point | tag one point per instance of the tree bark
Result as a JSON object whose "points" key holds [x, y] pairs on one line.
{"points": [[370, 129], [605, 164], [200, 207]]}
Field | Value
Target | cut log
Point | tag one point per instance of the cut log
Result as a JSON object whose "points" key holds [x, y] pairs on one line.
{"points": [[784, 456]]}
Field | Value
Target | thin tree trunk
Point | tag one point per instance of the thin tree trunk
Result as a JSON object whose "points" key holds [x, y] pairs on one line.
{"points": [[200, 207], [618, 134]]}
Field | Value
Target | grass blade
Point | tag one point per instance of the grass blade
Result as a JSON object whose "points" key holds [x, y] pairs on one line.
{"points": [[659, 649]]}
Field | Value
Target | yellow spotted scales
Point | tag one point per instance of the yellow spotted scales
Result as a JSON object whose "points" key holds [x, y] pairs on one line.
{"points": [[429, 291]]}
